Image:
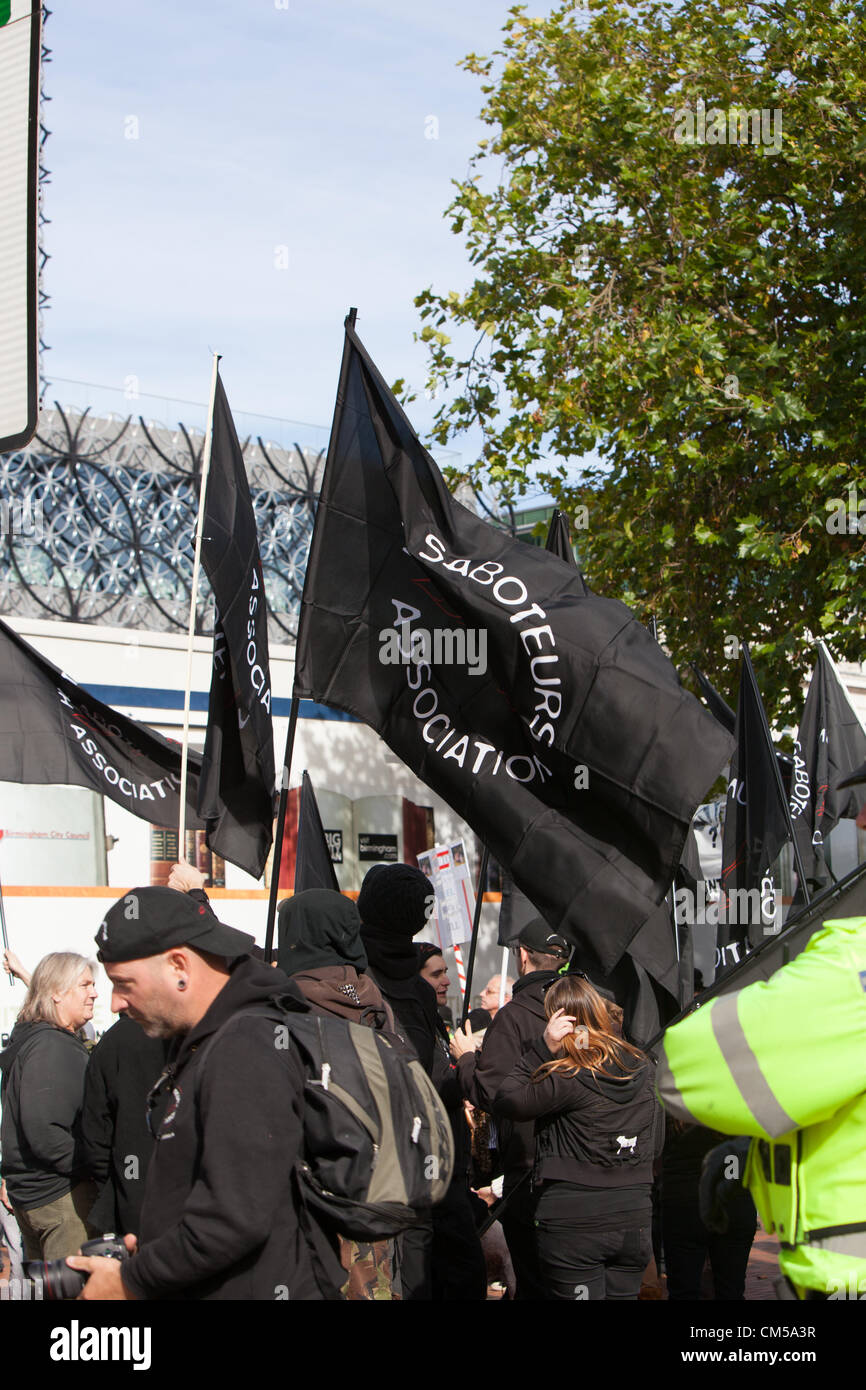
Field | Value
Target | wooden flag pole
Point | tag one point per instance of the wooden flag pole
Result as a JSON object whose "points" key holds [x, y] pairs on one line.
{"points": [[503, 977], [205, 469], [277, 861], [479, 899]]}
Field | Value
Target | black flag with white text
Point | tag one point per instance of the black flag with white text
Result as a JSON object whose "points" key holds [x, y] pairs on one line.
{"points": [[237, 784], [546, 716], [52, 732], [830, 743]]}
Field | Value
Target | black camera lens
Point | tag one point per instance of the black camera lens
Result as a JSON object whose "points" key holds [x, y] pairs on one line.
{"points": [[54, 1280]]}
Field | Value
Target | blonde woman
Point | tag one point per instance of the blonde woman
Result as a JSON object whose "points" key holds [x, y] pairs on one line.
{"points": [[598, 1127], [42, 1093]]}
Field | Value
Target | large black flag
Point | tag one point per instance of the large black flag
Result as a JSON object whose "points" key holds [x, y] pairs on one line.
{"points": [[830, 744], [53, 733], [237, 783], [547, 717], [756, 828], [314, 867]]}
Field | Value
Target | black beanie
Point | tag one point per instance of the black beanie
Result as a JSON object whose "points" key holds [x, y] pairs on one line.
{"points": [[395, 899]]}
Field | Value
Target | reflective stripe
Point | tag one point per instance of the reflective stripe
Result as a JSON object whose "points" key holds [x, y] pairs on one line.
{"points": [[746, 1069], [669, 1093], [853, 1244]]}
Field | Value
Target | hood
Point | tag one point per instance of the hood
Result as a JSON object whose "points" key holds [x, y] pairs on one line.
{"points": [[21, 1034], [251, 982], [319, 928], [614, 1083], [340, 990]]}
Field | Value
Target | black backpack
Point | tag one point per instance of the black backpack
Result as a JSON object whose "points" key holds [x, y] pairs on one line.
{"points": [[378, 1147]]}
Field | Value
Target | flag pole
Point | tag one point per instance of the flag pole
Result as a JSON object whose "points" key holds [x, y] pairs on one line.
{"points": [[503, 977], [479, 899], [801, 873], [205, 469], [3, 929], [276, 863]]}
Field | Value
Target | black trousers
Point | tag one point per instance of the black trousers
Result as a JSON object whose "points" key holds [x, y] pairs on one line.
{"points": [[585, 1259], [688, 1243], [518, 1227]]}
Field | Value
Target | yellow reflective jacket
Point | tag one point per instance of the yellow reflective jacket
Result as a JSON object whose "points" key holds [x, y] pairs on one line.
{"points": [[784, 1060]]}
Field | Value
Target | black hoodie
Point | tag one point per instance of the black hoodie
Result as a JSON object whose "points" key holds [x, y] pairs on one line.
{"points": [[598, 1129], [220, 1215], [43, 1089]]}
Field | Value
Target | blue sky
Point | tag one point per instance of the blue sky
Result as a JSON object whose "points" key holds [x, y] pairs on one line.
{"points": [[257, 128]]}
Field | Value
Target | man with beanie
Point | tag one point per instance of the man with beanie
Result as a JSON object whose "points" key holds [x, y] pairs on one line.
{"points": [[220, 1218], [395, 904], [542, 954]]}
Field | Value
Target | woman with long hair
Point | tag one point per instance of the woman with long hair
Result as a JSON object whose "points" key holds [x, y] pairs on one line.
{"points": [[43, 1091], [598, 1127]]}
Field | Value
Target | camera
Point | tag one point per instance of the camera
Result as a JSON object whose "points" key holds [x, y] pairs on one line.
{"points": [[54, 1280]]}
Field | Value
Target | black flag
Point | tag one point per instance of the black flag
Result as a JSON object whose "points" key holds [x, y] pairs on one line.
{"points": [[717, 706], [546, 716], [237, 784], [314, 867], [756, 828], [53, 733], [830, 743]]}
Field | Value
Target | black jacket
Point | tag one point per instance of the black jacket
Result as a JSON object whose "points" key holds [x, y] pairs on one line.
{"points": [[116, 1142], [515, 1028], [413, 1002], [42, 1093], [596, 1129], [220, 1218]]}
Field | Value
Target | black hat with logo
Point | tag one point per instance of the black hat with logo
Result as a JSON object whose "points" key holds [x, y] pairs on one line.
{"points": [[147, 921]]}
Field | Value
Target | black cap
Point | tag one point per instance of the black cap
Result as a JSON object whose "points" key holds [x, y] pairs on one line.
{"points": [[855, 777], [148, 921], [537, 936]]}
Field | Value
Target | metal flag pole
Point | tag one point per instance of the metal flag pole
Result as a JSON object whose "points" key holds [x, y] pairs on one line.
{"points": [[205, 469], [479, 899], [276, 862]]}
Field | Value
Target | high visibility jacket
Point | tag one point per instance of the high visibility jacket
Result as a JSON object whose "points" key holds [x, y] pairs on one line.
{"points": [[784, 1060]]}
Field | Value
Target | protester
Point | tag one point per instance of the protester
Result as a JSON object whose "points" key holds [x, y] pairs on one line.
{"points": [[42, 1093], [598, 1128], [221, 1216], [394, 904], [319, 947], [434, 970], [541, 954], [687, 1242], [116, 1142], [490, 994]]}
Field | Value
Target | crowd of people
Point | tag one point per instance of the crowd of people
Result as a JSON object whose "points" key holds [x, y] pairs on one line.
{"points": [[183, 1129]]}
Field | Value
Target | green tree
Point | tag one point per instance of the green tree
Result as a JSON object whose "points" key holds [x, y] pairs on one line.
{"points": [[683, 303]]}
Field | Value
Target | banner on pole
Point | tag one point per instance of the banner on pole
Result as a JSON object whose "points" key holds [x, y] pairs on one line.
{"points": [[446, 867]]}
